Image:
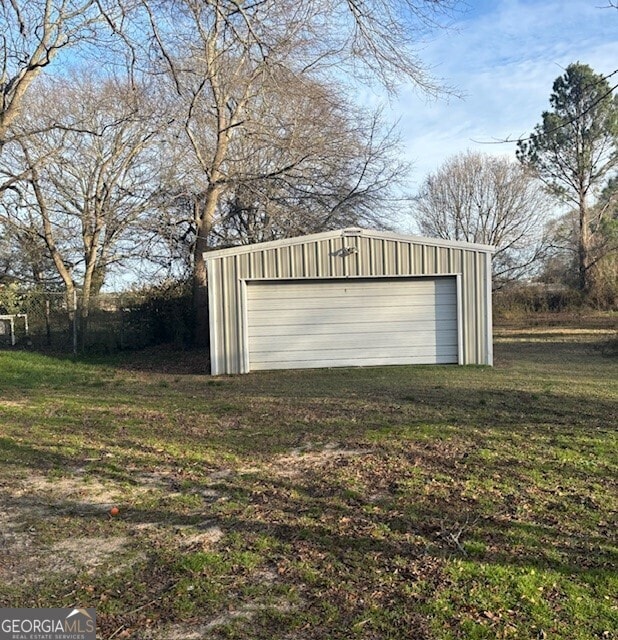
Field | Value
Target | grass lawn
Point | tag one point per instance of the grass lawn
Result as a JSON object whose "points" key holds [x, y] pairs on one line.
{"points": [[404, 502]]}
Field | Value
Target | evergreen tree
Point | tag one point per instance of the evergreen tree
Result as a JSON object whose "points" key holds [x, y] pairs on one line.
{"points": [[574, 151]]}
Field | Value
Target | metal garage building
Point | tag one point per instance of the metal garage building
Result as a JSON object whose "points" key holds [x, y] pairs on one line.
{"points": [[349, 298]]}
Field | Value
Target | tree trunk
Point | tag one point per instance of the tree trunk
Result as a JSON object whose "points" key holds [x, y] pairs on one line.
{"points": [[584, 249], [91, 245], [98, 277], [201, 327], [204, 219], [70, 296], [84, 316]]}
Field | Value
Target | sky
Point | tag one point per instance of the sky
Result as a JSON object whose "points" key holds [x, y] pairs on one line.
{"points": [[502, 56]]}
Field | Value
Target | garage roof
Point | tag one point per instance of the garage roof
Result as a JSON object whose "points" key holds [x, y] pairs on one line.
{"points": [[352, 232]]}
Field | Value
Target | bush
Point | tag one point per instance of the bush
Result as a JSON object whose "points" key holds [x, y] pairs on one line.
{"points": [[524, 299], [160, 314]]}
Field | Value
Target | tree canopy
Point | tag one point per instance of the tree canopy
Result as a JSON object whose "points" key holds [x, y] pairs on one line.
{"points": [[574, 151], [474, 197], [263, 138]]}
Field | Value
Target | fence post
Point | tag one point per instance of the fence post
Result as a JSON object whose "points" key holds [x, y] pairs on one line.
{"points": [[48, 322], [74, 323]]}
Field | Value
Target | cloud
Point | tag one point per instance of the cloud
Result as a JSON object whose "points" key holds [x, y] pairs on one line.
{"points": [[503, 56]]}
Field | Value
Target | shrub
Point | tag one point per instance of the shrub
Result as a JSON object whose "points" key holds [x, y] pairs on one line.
{"points": [[160, 314], [524, 299]]}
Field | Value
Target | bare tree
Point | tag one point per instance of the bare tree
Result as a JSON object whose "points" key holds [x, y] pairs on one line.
{"points": [[225, 59], [83, 192], [23, 254], [33, 32], [327, 166], [475, 197]]}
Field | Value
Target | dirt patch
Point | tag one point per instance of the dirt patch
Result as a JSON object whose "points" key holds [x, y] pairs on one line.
{"points": [[36, 497], [28, 562], [14, 403], [24, 556], [245, 612], [154, 480], [85, 553], [176, 632], [74, 489], [15, 545], [302, 459], [207, 534]]}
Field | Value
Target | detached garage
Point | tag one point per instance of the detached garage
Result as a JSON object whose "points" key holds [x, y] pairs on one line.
{"points": [[349, 298]]}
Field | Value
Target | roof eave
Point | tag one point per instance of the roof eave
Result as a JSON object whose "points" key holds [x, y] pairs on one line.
{"points": [[350, 232]]}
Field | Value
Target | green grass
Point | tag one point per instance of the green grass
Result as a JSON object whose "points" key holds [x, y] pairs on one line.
{"points": [[424, 502]]}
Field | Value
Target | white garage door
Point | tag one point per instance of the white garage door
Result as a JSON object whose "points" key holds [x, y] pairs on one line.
{"points": [[338, 323]]}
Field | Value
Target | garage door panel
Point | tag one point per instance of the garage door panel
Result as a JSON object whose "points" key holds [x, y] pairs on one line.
{"points": [[311, 317], [277, 290], [312, 293], [359, 328], [351, 354], [352, 323], [354, 362], [359, 341], [345, 302]]}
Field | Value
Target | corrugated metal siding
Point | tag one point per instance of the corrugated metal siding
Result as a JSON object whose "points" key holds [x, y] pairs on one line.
{"points": [[342, 255]]}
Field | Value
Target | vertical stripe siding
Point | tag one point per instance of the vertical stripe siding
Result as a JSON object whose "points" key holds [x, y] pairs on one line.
{"points": [[489, 339], [231, 314], [357, 257], [323, 259], [213, 310], [239, 266]]}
